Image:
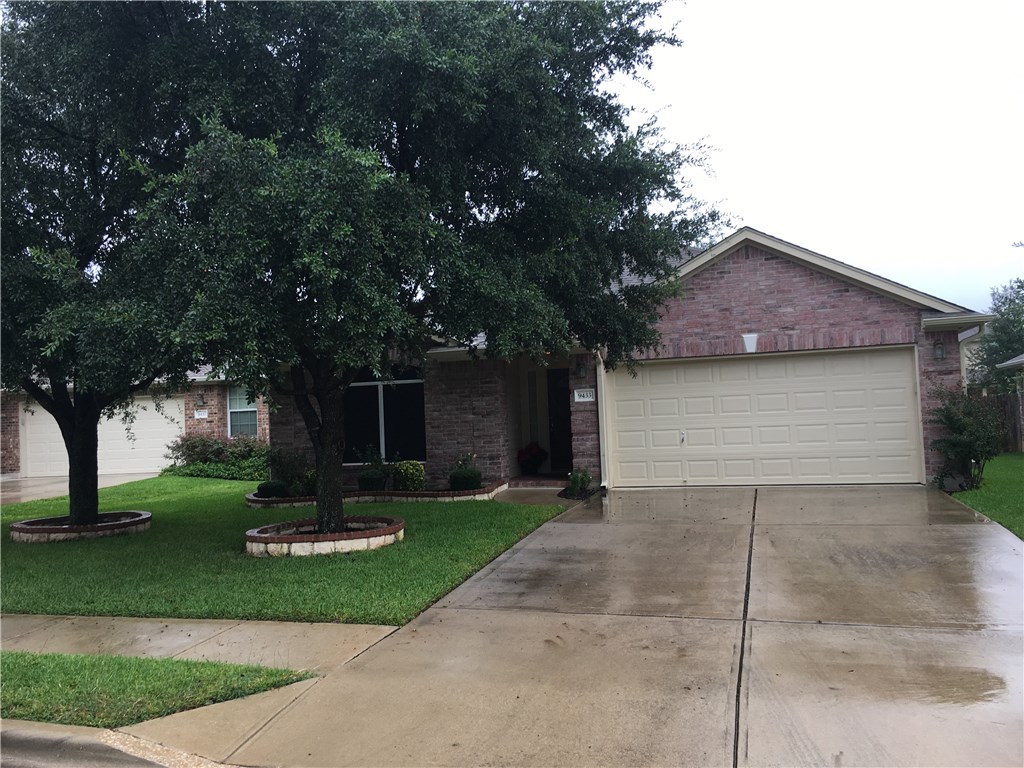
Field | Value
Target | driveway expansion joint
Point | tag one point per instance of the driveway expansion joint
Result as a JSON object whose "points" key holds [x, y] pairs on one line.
{"points": [[743, 637]]}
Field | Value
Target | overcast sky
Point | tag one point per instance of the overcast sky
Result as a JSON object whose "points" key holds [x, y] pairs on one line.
{"points": [[884, 134]]}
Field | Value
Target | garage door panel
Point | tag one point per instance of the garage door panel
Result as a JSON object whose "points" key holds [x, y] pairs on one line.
{"points": [[810, 418], [664, 406], [140, 448], [665, 438], [698, 406], [774, 435], [810, 402], [629, 409], [734, 404], [668, 470]]}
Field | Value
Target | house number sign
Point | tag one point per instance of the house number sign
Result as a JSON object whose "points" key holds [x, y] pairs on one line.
{"points": [[202, 414], [584, 395]]}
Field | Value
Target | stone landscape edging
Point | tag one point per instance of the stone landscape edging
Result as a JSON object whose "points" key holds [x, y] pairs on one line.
{"points": [[478, 494], [272, 541], [120, 523]]}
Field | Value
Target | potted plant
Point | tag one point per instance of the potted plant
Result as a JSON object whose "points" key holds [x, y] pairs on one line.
{"points": [[530, 457]]}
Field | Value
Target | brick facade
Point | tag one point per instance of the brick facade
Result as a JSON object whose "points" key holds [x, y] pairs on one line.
{"points": [[212, 397], [10, 433], [586, 444], [794, 308], [468, 410]]}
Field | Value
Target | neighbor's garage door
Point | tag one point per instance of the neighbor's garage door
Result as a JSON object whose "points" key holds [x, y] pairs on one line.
{"points": [[815, 418], [43, 453]]}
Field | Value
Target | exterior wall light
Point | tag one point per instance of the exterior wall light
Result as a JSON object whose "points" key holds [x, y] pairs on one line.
{"points": [[939, 350], [749, 342], [200, 400]]}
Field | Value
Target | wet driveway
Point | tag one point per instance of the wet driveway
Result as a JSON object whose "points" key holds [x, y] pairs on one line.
{"points": [[777, 626]]}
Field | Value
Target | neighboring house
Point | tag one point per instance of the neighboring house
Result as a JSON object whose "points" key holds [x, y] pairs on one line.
{"points": [[31, 444], [777, 366]]}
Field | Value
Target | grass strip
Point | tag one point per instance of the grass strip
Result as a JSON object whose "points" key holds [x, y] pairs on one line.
{"points": [[114, 691], [1001, 496], [192, 564]]}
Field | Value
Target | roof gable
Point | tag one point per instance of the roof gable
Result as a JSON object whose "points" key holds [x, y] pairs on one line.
{"points": [[820, 263]]}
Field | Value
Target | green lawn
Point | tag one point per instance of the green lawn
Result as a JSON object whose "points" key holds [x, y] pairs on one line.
{"points": [[192, 564], [114, 691], [1001, 496]]}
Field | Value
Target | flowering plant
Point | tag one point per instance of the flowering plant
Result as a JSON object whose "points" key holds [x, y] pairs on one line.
{"points": [[532, 454]]}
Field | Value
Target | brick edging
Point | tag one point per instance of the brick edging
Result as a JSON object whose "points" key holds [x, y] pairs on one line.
{"points": [[477, 494], [52, 529]]}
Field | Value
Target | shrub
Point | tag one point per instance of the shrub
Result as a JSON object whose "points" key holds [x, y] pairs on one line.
{"points": [[197, 449], [272, 489], [251, 469], [240, 458], [306, 486], [465, 479], [408, 476], [579, 482], [372, 480], [974, 434], [288, 467]]}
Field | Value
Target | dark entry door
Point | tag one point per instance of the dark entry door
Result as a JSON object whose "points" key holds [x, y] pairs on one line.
{"points": [[559, 422]]}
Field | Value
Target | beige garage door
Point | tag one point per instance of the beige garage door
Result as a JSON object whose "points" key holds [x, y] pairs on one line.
{"points": [[43, 453], [816, 418]]}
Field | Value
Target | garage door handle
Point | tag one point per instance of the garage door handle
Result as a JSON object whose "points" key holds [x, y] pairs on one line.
{"points": [[682, 438]]}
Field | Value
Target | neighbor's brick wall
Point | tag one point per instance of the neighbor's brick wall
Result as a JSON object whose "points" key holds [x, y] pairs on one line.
{"points": [[586, 444], [10, 433], [795, 308], [466, 410]]}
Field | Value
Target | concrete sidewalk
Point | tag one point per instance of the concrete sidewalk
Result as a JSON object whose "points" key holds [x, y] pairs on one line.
{"points": [[219, 729], [717, 626]]}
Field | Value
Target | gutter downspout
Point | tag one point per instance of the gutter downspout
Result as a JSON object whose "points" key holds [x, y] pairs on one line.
{"points": [[602, 420]]}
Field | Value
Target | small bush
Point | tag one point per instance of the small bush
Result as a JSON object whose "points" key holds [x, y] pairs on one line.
{"points": [[579, 482], [465, 479], [197, 449], [408, 476], [307, 485], [253, 469], [974, 434], [240, 458], [272, 489], [372, 480]]}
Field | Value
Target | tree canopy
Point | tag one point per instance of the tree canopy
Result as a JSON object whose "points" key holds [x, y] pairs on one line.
{"points": [[441, 170], [297, 191], [87, 320], [1003, 339]]}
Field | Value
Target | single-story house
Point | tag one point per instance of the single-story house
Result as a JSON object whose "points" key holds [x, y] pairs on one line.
{"points": [[31, 444], [777, 366]]}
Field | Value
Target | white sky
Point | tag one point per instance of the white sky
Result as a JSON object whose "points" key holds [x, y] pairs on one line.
{"points": [[889, 135]]}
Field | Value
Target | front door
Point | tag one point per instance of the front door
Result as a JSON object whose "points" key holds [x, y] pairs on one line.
{"points": [[559, 422]]}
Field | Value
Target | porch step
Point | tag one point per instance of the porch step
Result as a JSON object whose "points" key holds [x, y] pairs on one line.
{"points": [[538, 481]]}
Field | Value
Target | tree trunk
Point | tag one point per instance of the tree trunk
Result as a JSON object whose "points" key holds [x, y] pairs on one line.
{"points": [[325, 425], [80, 430], [330, 515]]}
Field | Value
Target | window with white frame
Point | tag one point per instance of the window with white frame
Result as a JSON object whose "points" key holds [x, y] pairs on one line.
{"points": [[385, 417], [241, 413]]}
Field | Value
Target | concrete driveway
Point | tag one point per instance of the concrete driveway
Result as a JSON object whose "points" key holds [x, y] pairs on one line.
{"points": [[16, 489], [840, 626]]}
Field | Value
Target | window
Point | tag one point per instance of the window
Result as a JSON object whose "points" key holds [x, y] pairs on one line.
{"points": [[241, 413], [385, 417]]}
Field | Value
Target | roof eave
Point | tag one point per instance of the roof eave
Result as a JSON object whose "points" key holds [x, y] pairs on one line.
{"points": [[957, 322], [821, 263]]}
